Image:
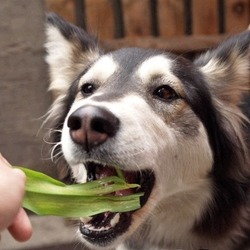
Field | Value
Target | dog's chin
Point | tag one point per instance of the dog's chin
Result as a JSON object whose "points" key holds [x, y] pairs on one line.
{"points": [[103, 229]]}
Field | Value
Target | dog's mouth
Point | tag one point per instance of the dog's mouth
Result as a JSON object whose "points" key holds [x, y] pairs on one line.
{"points": [[104, 228]]}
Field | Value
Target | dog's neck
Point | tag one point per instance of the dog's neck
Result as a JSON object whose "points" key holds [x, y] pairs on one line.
{"points": [[172, 223], [179, 211]]}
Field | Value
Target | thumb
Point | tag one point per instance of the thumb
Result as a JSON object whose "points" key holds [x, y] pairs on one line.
{"points": [[21, 228]]}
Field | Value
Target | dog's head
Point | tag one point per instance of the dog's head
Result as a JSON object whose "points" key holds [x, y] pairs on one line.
{"points": [[165, 121]]}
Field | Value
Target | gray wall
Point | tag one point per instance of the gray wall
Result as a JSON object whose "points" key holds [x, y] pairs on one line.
{"points": [[23, 83]]}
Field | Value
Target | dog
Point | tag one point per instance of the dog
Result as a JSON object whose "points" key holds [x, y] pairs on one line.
{"points": [[179, 128]]}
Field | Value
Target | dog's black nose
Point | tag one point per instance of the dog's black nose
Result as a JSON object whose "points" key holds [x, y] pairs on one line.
{"points": [[91, 126]]}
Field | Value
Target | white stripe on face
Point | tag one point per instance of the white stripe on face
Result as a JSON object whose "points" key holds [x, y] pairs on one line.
{"points": [[157, 65], [101, 70]]}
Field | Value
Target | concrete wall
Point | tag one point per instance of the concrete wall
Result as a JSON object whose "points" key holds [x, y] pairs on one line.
{"points": [[23, 82]]}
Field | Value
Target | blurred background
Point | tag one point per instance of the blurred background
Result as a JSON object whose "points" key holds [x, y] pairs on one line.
{"points": [[185, 27]]}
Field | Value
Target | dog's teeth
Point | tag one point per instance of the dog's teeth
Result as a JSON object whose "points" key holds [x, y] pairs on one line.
{"points": [[104, 229], [92, 228], [96, 229], [115, 220]]}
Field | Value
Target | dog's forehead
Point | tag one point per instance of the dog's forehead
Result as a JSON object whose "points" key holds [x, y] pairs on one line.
{"points": [[143, 63], [133, 62]]}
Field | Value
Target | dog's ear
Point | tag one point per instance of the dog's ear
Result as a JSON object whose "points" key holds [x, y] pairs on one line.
{"points": [[227, 68], [69, 51], [227, 71]]}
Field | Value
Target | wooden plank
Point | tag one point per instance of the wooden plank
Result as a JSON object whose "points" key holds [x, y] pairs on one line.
{"points": [[100, 18], [137, 17], [237, 15], [171, 17], [205, 17], [178, 45], [64, 8]]}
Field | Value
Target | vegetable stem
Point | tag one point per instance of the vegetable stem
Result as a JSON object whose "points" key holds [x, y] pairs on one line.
{"points": [[48, 196]]}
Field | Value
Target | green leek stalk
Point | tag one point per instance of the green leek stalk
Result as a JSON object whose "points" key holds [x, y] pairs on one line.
{"points": [[47, 196]]}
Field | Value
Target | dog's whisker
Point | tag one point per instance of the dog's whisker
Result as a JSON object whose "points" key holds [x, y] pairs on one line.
{"points": [[49, 136], [56, 156], [48, 142], [54, 148]]}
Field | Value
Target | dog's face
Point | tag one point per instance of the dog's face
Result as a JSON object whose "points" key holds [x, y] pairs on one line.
{"points": [[148, 112], [129, 110]]}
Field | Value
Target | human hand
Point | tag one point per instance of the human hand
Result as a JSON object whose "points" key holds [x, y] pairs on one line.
{"points": [[12, 189]]}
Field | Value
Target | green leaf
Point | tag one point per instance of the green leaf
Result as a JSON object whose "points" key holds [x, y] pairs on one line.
{"points": [[47, 196], [120, 173], [76, 206]]}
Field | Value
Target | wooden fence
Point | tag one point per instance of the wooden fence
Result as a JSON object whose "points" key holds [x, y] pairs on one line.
{"points": [[177, 25]]}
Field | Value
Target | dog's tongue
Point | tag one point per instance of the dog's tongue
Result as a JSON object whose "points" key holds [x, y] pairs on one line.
{"points": [[129, 177]]}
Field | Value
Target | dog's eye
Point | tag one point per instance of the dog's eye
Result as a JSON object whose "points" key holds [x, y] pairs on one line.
{"points": [[88, 88], [165, 93]]}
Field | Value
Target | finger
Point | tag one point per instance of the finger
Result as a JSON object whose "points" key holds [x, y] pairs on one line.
{"points": [[19, 173], [21, 229]]}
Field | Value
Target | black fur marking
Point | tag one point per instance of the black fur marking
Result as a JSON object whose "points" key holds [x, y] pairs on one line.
{"points": [[199, 99], [229, 194]]}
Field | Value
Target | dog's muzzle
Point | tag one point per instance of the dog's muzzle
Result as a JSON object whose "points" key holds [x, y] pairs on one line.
{"points": [[91, 126]]}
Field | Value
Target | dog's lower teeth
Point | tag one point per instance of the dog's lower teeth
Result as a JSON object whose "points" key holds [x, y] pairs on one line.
{"points": [[115, 220], [96, 229], [99, 228]]}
